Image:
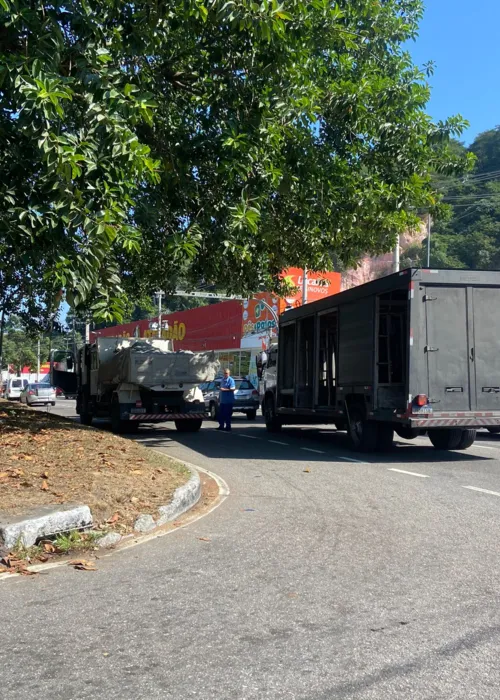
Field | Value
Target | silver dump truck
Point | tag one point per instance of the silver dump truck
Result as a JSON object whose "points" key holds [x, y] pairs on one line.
{"points": [[142, 380]]}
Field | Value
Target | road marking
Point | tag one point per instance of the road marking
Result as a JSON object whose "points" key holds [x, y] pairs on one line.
{"points": [[250, 437], [476, 488], [351, 459], [402, 471], [309, 449], [277, 442], [484, 447]]}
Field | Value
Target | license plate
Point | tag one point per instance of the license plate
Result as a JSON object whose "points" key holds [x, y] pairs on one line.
{"points": [[422, 410], [137, 410]]}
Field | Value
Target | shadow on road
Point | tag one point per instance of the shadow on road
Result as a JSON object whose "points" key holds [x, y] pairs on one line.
{"points": [[254, 442]]}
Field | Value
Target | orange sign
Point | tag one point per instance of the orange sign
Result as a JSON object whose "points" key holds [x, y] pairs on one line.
{"points": [[319, 286]]}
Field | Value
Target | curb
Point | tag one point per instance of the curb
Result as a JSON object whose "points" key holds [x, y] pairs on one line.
{"points": [[49, 521]]}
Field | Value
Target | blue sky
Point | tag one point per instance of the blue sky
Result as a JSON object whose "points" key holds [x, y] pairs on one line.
{"points": [[463, 38]]}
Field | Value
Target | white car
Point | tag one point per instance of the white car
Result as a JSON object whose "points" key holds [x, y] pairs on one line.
{"points": [[15, 385], [38, 393]]}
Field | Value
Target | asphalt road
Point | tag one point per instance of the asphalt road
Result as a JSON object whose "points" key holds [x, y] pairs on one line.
{"points": [[327, 575]]}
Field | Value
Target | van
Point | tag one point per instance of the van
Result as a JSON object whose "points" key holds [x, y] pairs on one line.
{"points": [[14, 387]]}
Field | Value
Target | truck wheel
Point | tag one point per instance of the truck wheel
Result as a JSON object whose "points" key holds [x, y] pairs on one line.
{"points": [[408, 433], [467, 439], [445, 439], [494, 430], [86, 416], [363, 434], [188, 426], [273, 422], [118, 426], [385, 438], [251, 415], [214, 413]]}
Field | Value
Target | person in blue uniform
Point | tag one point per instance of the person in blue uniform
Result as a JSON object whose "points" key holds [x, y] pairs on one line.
{"points": [[226, 401]]}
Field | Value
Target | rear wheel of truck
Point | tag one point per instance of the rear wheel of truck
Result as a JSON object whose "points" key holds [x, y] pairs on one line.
{"points": [[444, 439], [251, 415], [273, 422], [363, 434], [86, 416], [467, 439], [408, 433], [385, 437], [188, 426], [119, 426]]}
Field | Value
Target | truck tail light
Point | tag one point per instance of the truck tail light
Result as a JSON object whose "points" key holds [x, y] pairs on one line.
{"points": [[138, 404], [421, 400]]}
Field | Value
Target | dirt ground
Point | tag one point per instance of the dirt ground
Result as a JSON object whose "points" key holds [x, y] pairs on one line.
{"points": [[46, 459]]}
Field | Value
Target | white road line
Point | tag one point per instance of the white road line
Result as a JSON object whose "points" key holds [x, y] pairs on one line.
{"points": [[250, 437], [485, 447], [351, 459], [309, 449], [402, 471], [277, 442], [476, 488]]}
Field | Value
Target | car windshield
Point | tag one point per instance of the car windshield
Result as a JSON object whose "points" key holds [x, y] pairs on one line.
{"points": [[243, 384]]}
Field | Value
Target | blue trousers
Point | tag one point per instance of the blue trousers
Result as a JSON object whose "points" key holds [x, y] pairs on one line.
{"points": [[225, 413]]}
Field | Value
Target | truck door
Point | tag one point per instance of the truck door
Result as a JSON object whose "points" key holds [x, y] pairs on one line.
{"points": [[485, 355], [448, 348]]}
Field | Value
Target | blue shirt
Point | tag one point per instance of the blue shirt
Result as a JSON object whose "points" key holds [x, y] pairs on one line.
{"points": [[227, 396]]}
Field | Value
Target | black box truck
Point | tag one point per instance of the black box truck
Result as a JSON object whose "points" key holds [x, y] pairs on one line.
{"points": [[414, 352]]}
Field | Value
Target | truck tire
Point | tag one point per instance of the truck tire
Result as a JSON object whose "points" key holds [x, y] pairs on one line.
{"points": [[251, 415], [214, 411], [119, 426], [273, 422], [445, 439], [407, 433], [188, 425], [495, 430], [467, 439], [86, 416], [385, 437], [363, 434]]}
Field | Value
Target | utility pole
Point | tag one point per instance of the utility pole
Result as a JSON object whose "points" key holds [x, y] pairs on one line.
{"points": [[160, 297], [395, 256], [87, 332], [38, 361], [304, 286], [428, 240]]}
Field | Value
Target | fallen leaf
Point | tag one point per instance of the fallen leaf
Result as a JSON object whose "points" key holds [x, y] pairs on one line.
{"points": [[204, 539], [28, 458], [49, 547], [113, 518], [136, 471], [83, 565], [43, 558], [307, 470], [44, 486]]}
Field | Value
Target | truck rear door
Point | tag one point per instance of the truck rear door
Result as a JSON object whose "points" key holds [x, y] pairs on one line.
{"points": [[485, 355], [448, 348]]}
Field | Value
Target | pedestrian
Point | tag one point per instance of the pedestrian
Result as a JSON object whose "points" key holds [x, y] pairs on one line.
{"points": [[226, 401]]}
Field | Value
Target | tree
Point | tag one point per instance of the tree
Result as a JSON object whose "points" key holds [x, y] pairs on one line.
{"points": [[144, 143]]}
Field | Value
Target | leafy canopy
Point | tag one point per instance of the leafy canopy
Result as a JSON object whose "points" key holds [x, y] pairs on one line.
{"points": [[142, 143]]}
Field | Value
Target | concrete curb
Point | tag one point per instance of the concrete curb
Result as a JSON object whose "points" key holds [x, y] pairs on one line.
{"points": [[53, 520], [184, 498]]}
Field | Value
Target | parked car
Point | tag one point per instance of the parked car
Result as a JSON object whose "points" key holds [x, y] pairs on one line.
{"points": [[38, 393], [246, 397], [15, 385]]}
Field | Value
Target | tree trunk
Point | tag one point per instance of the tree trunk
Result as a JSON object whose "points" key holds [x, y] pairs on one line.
{"points": [[2, 325]]}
